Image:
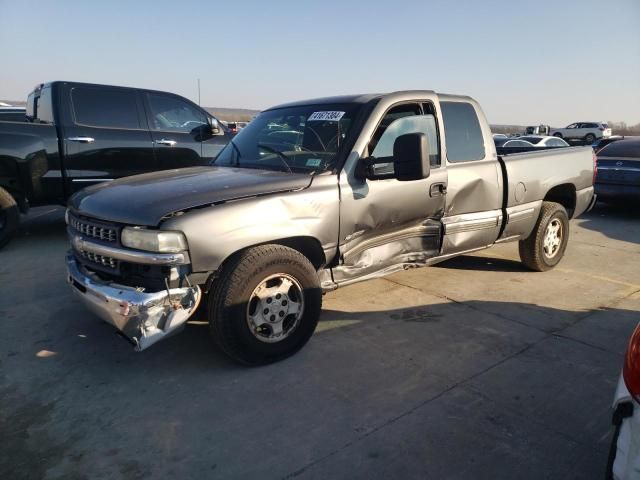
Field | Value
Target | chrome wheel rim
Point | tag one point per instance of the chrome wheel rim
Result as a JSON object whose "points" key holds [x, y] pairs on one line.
{"points": [[552, 238], [275, 308]]}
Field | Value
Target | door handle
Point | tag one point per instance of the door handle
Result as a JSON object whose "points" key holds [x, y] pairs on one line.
{"points": [[81, 139], [437, 189], [168, 143]]}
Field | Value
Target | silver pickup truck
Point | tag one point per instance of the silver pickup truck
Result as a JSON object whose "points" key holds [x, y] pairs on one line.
{"points": [[311, 196]]}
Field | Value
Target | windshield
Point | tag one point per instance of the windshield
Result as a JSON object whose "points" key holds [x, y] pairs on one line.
{"points": [[294, 139]]}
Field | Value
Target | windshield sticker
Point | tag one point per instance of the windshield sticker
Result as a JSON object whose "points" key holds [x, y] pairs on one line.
{"points": [[313, 162], [326, 116]]}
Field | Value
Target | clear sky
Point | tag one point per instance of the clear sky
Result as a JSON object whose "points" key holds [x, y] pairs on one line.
{"points": [[550, 61]]}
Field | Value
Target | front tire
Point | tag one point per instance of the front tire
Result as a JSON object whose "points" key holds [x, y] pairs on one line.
{"points": [[265, 305], [545, 247], [9, 217]]}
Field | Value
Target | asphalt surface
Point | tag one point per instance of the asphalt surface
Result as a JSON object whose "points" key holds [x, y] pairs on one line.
{"points": [[472, 369]]}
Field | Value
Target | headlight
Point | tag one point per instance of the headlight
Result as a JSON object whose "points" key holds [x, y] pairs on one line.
{"points": [[153, 240]]}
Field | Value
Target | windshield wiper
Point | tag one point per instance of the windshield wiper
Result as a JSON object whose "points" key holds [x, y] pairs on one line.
{"points": [[280, 155]]}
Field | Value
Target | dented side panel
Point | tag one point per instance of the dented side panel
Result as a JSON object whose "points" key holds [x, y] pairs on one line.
{"points": [[473, 215], [473, 212], [216, 232], [386, 225]]}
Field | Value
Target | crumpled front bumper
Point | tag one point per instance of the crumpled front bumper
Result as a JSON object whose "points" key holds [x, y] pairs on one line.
{"points": [[144, 318]]}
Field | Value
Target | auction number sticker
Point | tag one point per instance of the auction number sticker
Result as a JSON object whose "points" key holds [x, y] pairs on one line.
{"points": [[325, 116], [313, 162]]}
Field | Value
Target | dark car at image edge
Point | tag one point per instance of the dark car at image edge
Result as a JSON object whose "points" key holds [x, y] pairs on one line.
{"points": [[618, 171], [79, 134]]}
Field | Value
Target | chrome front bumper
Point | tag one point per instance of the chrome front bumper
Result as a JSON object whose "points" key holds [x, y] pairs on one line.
{"points": [[144, 318]]}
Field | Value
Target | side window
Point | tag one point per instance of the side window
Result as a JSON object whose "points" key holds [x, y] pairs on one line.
{"points": [[169, 113], [398, 121], [104, 107], [462, 132], [573, 125], [45, 106]]}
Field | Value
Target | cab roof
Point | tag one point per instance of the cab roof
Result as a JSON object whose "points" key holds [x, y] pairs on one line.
{"points": [[366, 98]]}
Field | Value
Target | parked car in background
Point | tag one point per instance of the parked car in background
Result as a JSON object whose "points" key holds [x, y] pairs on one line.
{"points": [[368, 185], [81, 134], [499, 136], [543, 130], [233, 127], [624, 454], [13, 114], [544, 141], [587, 132], [618, 171], [603, 142], [516, 143]]}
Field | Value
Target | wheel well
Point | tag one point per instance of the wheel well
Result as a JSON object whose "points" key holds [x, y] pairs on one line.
{"points": [[308, 246], [565, 195]]}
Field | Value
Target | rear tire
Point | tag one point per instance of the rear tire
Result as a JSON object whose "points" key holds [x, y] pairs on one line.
{"points": [[559, 135], [545, 247], [9, 217], [589, 139], [250, 308]]}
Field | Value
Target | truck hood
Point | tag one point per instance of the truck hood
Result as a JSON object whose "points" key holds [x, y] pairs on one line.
{"points": [[145, 199]]}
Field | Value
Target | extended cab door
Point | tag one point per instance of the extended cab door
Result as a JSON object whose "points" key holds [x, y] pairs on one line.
{"points": [[386, 223], [474, 196], [105, 135], [181, 131]]}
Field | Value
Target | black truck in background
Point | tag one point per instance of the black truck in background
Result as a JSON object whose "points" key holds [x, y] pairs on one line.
{"points": [[79, 134]]}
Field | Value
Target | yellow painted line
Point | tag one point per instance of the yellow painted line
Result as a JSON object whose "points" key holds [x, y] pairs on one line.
{"points": [[635, 286], [567, 270], [333, 324]]}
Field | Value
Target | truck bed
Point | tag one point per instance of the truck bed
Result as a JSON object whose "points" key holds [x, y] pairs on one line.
{"points": [[549, 173]]}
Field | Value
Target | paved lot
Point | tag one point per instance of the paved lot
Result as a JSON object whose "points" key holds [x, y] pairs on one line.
{"points": [[472, 369]]}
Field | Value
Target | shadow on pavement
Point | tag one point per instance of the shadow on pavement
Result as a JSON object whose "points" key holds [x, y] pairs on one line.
{"points": [[616, 221], [485, 264], [347, 382]]}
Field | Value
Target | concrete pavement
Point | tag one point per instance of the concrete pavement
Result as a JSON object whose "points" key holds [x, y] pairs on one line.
{"points": [[475, 368]]}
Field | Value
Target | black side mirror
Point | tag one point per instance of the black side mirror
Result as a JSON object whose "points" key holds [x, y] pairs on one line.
{"points": [[411, 157]]}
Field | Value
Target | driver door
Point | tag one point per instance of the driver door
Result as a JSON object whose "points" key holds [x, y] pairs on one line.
{"points": [[180, 132], [386, 223]]}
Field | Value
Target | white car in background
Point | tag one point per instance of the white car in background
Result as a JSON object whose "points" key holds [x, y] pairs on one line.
{"points": [[544, 141], [588, 132], [624, 456], [517, 143]]}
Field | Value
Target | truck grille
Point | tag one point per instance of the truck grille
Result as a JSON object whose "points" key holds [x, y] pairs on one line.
{"points": [[100, 259], [99, 232]]}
